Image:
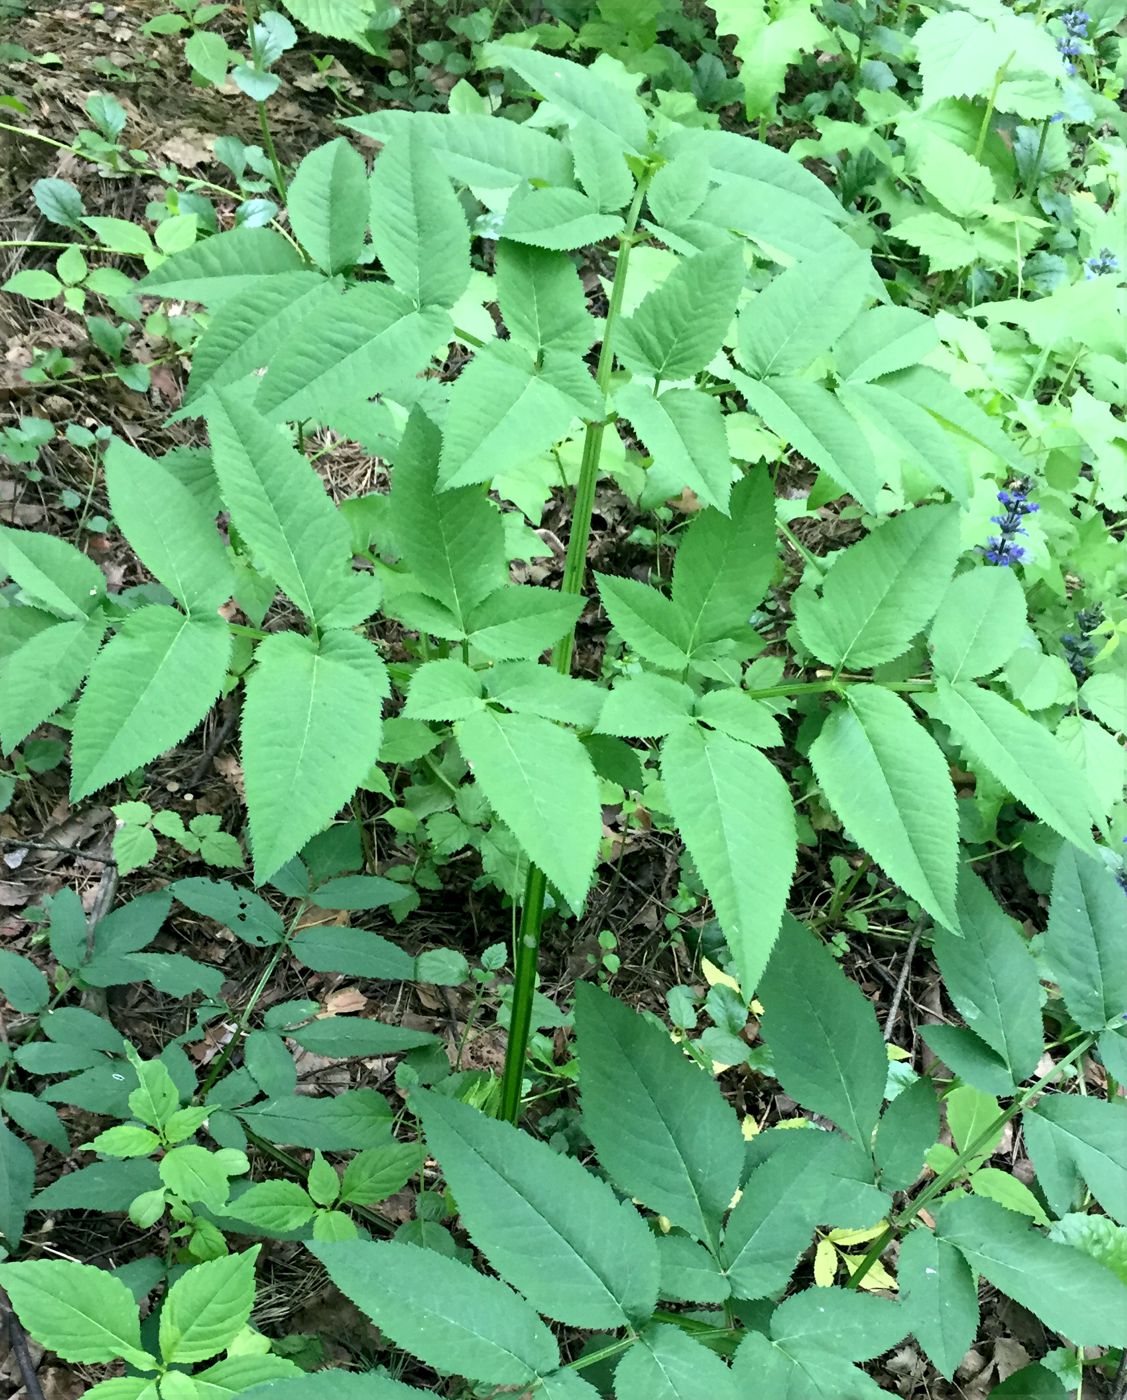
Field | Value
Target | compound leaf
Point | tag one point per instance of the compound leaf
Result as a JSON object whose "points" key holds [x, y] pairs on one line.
{"points": [[681, 324], [419, 231], [828, 1050], [1021, 754], [659, 1124], [328, 205], [544, 1222], [735, 815], [683, 430], [888, 781], [539, 780], [149, 686], [882, 590], [222, 266], [442, 1311], [1069, 1291], [311, 730], [170, 528]]}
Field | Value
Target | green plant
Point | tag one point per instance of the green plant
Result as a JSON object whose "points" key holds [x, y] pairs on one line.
{"points": [[882, 623]]}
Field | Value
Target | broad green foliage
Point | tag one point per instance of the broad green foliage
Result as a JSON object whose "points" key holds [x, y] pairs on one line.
{"points": [[865, 629]]}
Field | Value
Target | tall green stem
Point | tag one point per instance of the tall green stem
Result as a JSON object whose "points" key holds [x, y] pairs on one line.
{"points": [[268, 143], [575, 569]]}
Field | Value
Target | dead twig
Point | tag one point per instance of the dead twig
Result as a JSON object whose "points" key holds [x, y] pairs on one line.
{"points": [[901, 983], [18, 1339]]}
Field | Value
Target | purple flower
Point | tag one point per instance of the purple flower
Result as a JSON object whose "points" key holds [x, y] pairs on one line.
{"points": [[1077, 22], [1070, 47], [1104, 263], [1003, 548]]}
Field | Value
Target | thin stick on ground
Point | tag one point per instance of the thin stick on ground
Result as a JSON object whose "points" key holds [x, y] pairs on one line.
{"points": [[901, 982]]}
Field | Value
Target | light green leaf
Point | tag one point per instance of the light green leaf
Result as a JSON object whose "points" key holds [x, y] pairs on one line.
{"points": [[804, 1372], [883, 340], [373, 1175], [502, 414], [689, 1273], [541, 299], [148, 688], [992, 978], [557, 220], [82, 1313], [1105, 695], [207, 1307], [442, 1311], [489, 153], [197, 1175], [882, 590], [544, 1222], [1021, 754], [419, 231], [236, 1374], [736, 714], [1007, 1190], [1069, 1291], [659, 1124], [246, 331], [43, 674], [125, 1140], [532, 689], [600, 166], [683, 430], [645, 706], [940, 1297], [681, 324], [734, 814], [277, 1206], [1085, 944], [280, 508], [920, 443], [351, 1119], [888, 781], [328, 205], [677, 189], [850, 1324], [725, 563], [218, 268], [443, 690], [34, 283], [451, 541], [51, 572], [774, 172], [814, 423], [169, 527], [646, 620], [1097, 1236], [539, 780], [665, 1363], [578, 92], [979, 625], [802, 312], [828, 1050], [371, 340], [518, 623], [1091, 1132], [909, 1126], [311, 731], [209, 55], [955, 411]]}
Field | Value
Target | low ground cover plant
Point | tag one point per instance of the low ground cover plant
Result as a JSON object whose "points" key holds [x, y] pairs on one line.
{"points": [[567, 284]]}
